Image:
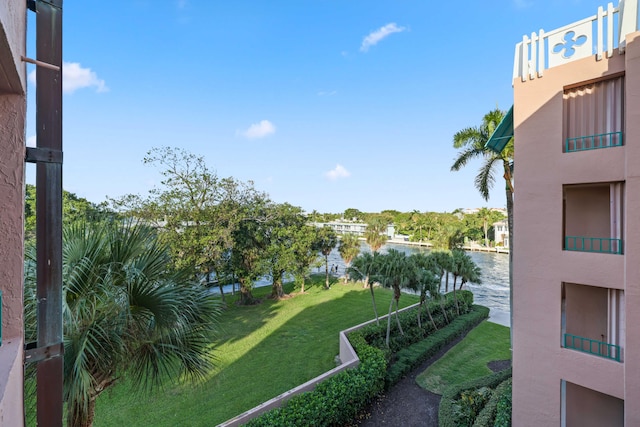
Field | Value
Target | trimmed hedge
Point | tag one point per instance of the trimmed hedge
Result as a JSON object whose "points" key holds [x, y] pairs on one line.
{"points": [[446, 413], [487, 417], [337, 400], [503, 410], [414, 355]]}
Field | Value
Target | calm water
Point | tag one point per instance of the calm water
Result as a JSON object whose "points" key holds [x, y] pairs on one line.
{"points": [[493, 292]]}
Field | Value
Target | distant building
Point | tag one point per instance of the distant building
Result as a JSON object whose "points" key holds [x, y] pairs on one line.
{"points": [[501, 233], [358, 228]]}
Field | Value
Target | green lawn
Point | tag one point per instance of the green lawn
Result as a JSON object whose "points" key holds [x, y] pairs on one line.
{"points": [[262, 351], [468, 359]]}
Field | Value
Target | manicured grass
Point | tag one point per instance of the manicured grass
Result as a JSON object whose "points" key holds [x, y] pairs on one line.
{"points": [[468, 359], [262, 351]]}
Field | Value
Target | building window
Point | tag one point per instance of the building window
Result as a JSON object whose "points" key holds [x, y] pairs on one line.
{"points": [[594, 115]]}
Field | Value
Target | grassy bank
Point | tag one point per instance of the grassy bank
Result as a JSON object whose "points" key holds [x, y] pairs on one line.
{"points": [[262, 351], [468, 360]]}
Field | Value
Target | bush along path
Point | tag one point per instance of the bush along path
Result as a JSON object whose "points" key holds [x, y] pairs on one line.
{"points": [[342, 399]]}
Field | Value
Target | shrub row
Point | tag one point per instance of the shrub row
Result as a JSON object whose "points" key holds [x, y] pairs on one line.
{"points": [[410, 357], [487, 417], [503, 410], [337, 400], [447, 415], [375, 334]]}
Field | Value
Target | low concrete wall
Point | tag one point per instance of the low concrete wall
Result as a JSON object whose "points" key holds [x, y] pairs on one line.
{"points": [[348, 358]]}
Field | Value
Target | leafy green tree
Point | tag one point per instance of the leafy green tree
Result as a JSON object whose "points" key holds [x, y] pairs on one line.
{"points": [[282, 226], [363, 267], [442, 264], [327, 240], [352, 213], [349, 248], [125, 314], [304, 250]]}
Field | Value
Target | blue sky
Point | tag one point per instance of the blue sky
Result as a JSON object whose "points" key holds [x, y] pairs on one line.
{"points": [[325, 104]]}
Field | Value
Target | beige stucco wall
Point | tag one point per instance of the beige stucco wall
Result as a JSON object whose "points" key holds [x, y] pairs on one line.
{"points": [[586, 311], [632, 233], [586, 408], [12, 129], [587, 211], [540, 264]]}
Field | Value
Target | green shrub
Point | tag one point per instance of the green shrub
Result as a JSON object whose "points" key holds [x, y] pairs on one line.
{"points": [[503, 410], [337, 400], [469, 405], [447, 415], [487, 417], [407, 359]]}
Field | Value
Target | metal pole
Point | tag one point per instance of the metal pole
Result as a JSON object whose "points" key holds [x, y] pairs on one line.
{"points": [[49, 211]]}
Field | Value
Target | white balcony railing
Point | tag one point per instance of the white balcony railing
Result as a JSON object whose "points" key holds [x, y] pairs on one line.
{"points": [[595, 35]]}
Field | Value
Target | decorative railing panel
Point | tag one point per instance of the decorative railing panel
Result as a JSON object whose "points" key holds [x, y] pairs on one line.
{"points": [[595, 35], [593, 244], [595, 347], [593, 142]]}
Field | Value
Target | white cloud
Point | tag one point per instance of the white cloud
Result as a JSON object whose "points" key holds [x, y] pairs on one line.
{"points": [[31, 141], [338, 172], [75, 77], [258, 130], [181, 4], [376, 36]]}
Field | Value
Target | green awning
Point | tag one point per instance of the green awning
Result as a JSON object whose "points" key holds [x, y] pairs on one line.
{"points": [[503, 133]]}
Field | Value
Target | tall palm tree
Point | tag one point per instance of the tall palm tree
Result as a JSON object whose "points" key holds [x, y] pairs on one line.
{"points": [[375, 234], [471, 142], [327, 239], [124, 314], [349, 248], [362, 268], [426, 283], [396, 271]]}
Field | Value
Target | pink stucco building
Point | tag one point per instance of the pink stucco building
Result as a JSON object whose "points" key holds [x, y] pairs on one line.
{"points": [[576, 271], [12, 152]]}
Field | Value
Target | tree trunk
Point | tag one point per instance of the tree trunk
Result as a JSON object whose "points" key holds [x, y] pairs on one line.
{"points": [[444, 311], [509, 194], [326, 271], [486, 231], [446, 288], [433, 322], [455, 298], [389, 322], [420, 312], [440, 283], [276, 287], [373, 300], [77, 417], [398, 318], [246, 297]]}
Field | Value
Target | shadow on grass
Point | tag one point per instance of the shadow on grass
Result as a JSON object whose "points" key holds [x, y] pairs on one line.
{"points": [[278, 359]]}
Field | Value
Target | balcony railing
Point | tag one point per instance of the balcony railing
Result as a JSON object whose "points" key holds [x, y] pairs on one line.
{"points": [[593, 142], [595, 347], [593, 244]]}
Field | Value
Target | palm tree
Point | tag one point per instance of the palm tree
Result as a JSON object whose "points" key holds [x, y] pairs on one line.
{"points": [[471, 142], [426, 282], [349, 248], [362, 268], [396, 271], [485, 216], [327, 240], [124, 314], [375, 234]]}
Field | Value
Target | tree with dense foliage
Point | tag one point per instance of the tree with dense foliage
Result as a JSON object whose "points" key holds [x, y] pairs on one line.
{"points": [[282, 226], [196, 211], [363, 267], [349, 248], [125, 314], [304, 252], [327, 239]]}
